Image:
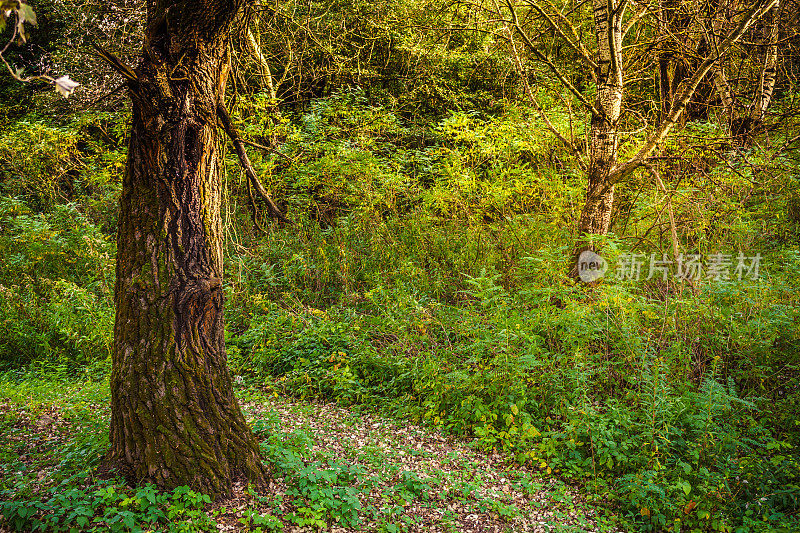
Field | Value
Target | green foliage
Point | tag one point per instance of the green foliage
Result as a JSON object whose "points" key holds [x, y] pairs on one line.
{"points": [[347, 157], [55, 289], [47, 482], [43, 164], [425, 277], [109, 506], [57, 205], [400, 51], [656, 405], [443, 298]]}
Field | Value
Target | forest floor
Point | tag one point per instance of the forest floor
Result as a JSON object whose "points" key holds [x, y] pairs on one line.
{"points": [[334, 469]]}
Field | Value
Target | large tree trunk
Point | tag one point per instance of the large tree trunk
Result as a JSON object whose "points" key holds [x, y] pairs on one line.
{"points": [[604, 133], [174, 418]]}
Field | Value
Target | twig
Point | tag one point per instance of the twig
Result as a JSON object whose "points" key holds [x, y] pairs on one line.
{"points": [[115, 63], [673, 231], [267, 149], [227, 125]]}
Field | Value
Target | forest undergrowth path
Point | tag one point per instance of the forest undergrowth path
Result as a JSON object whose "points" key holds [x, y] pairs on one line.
{"points": [[333, 469], [453, 486]]}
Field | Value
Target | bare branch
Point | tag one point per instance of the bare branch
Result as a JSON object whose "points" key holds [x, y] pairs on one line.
{"points": [[115, 63], [634, 19], [575, 45], [544, 59], [227, 125], [673, 231], [679, 106], [566, 142]]}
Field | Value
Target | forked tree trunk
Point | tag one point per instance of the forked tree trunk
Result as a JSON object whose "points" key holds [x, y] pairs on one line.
{"points": [[175, 420], [604, 132], [604, 168]]}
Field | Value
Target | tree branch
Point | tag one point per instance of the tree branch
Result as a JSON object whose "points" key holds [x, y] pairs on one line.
{"points": [[673, 231], [577, 46], [227, 125], [634, 19], [566, 142], [115, 63], [544, 59], [679, 106]]}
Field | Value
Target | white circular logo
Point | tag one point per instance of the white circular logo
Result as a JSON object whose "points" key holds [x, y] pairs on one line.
{"points": [[591, 266]]}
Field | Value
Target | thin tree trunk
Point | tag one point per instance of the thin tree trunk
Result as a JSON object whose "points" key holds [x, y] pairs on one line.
{"points": [[769, 72], [724, 92], [175, 420], [721, 15], [666, 14], [262, 63], [604, 133], [766, 83]]}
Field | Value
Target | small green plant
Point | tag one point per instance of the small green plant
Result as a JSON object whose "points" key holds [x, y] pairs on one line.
{"points": [[107, 506], [260, 523]]}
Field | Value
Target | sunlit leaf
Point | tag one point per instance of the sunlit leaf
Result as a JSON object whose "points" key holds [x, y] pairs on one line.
{"points": [[65, 86], [24, 14]]}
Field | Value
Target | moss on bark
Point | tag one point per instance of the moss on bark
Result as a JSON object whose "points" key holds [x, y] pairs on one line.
{"points": [[175, 420]]}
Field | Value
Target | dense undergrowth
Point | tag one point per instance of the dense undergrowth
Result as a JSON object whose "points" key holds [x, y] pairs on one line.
{"points": [[424, 276]]}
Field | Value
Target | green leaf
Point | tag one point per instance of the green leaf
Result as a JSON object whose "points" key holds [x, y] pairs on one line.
{"points": [[26, 14]]}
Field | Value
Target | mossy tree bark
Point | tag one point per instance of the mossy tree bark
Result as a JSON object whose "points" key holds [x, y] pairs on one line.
{"points": [[175, 420]]}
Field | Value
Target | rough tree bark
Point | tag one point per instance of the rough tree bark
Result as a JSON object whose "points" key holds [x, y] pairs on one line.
{"points": [[174, 418]]}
